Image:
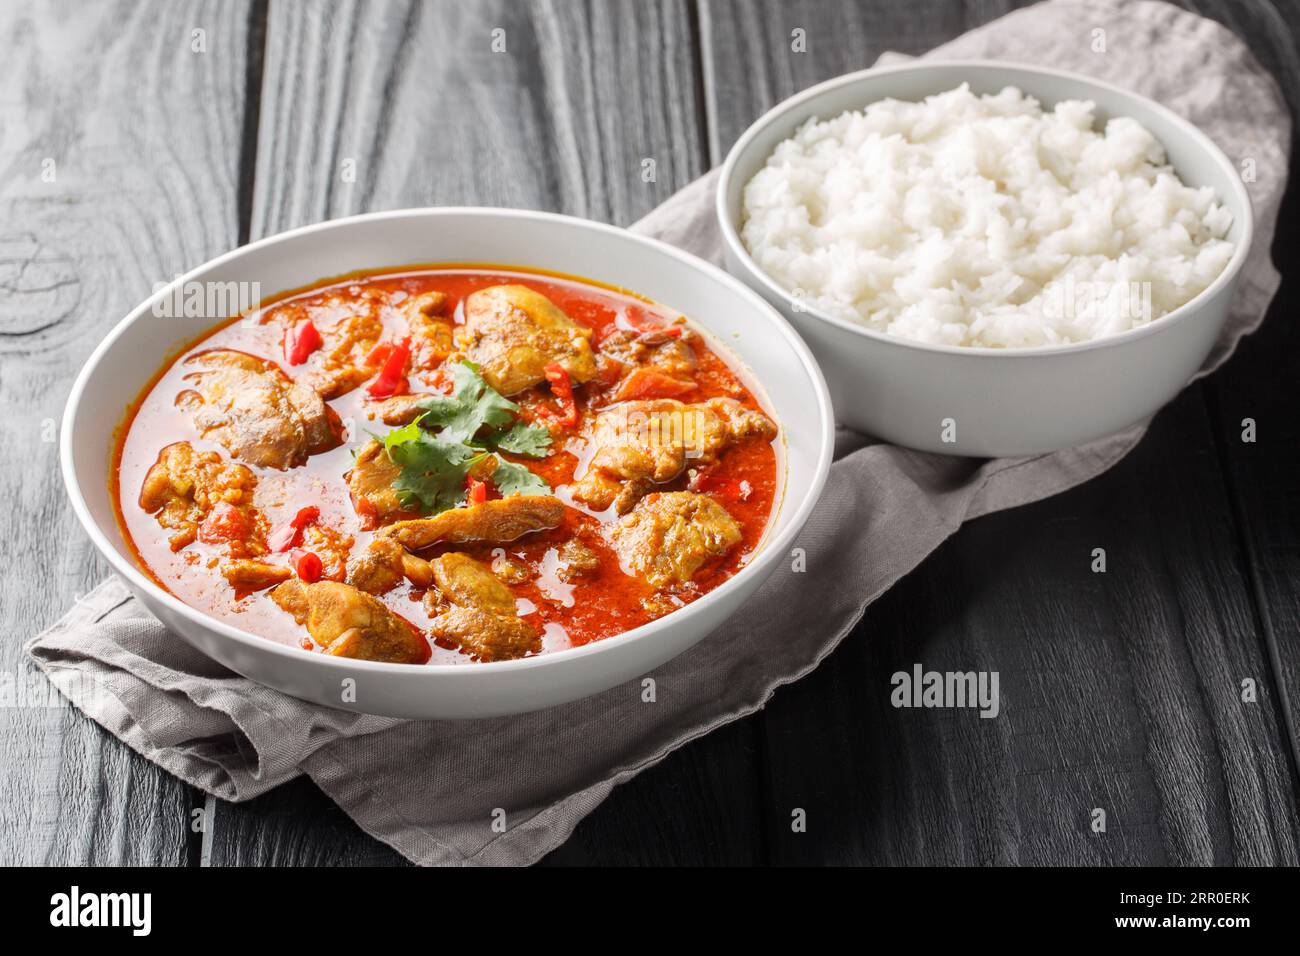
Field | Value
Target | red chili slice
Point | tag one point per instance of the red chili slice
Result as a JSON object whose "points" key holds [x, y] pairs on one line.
{"points": [[478, 491], [392, 377], [308, 566], [287, 535], [300, 340], [562, 389]]}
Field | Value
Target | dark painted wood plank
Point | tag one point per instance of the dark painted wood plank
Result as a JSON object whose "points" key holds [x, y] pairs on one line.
{"points": [[1260, 384], [414, 95], [699, 807], [143, 136], [1120, 690], [414, 98], [751, 63]]}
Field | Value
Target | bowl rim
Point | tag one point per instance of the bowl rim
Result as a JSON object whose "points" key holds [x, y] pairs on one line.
{"points": [[731, 237], [767, 553]]}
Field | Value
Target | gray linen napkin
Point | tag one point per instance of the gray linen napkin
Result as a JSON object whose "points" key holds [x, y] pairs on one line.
{"points": [[430, 789]]}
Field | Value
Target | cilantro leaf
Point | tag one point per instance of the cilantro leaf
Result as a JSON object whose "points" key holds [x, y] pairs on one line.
{"points": [[433, 470], [436, 452], [511, 478], [523, 438], [471, 405], [407, 433]]}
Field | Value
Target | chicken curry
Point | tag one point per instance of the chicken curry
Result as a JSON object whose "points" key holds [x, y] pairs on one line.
{"points": [[446, 465]]}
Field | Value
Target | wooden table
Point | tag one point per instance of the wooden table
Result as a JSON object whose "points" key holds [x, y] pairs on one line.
{"points": [[175, 131]]}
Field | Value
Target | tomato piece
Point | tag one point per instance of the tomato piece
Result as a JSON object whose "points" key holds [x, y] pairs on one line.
{"points": [[225, 522], [477, 491], [300, 340], [307, 565], [562, 389], [392, 376], [285, 536], [651, 383], [608, 371]]}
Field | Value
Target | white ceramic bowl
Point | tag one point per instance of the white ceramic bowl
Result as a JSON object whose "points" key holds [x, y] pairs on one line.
{"points": [[747, 327], [1005, 402]]}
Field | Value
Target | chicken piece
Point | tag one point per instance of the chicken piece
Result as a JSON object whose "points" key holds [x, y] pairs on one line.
{"points": [[577, 560], [640, 444], [350, 327], [246, 574], [183, 488], [384, 564], [379, 568], [432, 337], [668, 537], [473, 610], [513, 333], [350, 623], [671, 355], [398, 410], [335, 380], [498, 521], [258, 413], [600, 491], [331, 546], [741, 423], [370, 484]]}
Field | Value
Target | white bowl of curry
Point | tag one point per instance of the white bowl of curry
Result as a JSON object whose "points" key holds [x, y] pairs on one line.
{"points": [[447, 463]]}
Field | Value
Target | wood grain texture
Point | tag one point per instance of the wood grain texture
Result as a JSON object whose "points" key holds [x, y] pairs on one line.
{"points": [[1260, 384], [142, 136], [751, 64], [413, 93], [414, 97], [1121, 690]]}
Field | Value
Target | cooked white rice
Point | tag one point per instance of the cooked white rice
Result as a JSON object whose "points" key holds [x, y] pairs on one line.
{"points": [[983, 220]]}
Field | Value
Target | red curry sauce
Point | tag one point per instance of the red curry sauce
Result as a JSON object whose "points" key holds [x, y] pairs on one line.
{"points": [[606, 603]]}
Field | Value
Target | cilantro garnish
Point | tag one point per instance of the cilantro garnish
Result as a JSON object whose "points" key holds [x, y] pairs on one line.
{"points": [[511, 478], [455, 433], [522, 438], [471, 405], [477, 414], [433, 471]]}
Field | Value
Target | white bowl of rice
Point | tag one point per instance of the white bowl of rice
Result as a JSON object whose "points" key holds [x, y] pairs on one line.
{"points": [[986, 258]]}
